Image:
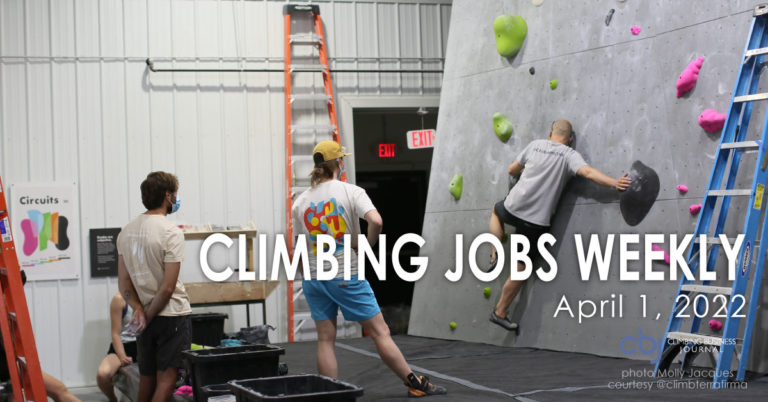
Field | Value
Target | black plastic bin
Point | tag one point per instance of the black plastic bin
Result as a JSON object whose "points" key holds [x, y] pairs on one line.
{"points": [[212, 390], [220, 365], [208, 328], [295, 388]]}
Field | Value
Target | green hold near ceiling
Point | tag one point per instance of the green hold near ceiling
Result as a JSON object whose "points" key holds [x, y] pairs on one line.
{"points": [[502, 126], [457, 184], [510, 33], [553, 84]]}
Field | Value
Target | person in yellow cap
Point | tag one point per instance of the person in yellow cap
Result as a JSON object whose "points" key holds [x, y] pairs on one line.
{"points": [[333, 207]]}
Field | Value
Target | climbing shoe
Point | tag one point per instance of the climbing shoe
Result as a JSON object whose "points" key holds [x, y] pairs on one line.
{"points": [[420, 386], [504, 322]]}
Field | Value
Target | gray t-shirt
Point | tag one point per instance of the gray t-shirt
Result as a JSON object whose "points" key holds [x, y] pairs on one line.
{"points": [[548, 166], [332, 208]]}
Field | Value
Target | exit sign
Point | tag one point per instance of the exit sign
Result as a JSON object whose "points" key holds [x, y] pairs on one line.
{"points": [[420, 139], [386, 150]]}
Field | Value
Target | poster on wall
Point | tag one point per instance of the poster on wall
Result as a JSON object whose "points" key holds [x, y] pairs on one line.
{"points": [[103, 244], [45, 227]]}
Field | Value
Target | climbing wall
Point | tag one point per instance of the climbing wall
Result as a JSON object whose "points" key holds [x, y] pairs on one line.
{"points": [[618, 90]]}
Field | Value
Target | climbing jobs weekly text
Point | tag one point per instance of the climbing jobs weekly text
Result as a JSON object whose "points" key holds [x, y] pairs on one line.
{"points": [[592, 254]]}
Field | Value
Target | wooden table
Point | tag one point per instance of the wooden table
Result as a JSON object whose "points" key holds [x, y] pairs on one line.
{"points": [[202, 294]]}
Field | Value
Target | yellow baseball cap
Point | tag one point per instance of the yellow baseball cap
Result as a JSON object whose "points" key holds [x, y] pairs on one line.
{"points": [[330, 150]]}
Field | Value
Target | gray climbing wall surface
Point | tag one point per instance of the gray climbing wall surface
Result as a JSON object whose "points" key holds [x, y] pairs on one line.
{"points": [[618, 90]]}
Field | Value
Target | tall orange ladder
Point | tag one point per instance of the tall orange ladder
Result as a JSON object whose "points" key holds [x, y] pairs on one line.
{"points": [[18, 339], [292, 131]]}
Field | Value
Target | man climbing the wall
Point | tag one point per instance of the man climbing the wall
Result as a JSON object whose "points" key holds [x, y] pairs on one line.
{"points": [[542, 168], [150, 250]]}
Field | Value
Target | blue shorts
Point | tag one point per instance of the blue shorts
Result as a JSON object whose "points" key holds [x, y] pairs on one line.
{"points": [[354, 297]]}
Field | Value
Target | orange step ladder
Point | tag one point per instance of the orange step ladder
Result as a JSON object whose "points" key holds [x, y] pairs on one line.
{"points": [[18, 339], [315, 39]]}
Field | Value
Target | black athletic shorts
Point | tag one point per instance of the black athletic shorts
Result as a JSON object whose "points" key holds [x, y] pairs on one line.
{"points": [[530, 230], [161, 343], [130, 350]]}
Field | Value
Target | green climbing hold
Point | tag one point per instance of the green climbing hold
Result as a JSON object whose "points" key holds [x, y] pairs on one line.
{"points": [[510, 33], [505, 238], [452, 325], [457, 184], [502, 126], [553, 84], [487, 292]]}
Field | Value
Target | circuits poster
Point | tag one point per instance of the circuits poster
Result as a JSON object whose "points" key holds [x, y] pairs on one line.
{"points": [[45, 230]]}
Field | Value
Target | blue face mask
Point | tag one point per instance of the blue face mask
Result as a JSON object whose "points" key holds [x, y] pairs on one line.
{"points": [[176, 205]]}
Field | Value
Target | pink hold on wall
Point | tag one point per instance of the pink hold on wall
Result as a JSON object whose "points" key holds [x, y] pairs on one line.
{"points": [[688, 77], [635, 29], [694, 209], [711, 121]]}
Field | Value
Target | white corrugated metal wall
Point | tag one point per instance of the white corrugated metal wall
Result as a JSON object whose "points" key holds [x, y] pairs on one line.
{"points": [[78, 104]]}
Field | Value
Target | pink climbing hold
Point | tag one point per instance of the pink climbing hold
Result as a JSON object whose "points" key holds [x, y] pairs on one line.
{"points": [[715, 325], [635, 29], [184, 390], [682, 188], [688, 77], [711, 121], [694, 209], [656, 247]]}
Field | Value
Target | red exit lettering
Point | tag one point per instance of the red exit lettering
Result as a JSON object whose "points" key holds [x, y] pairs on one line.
{"points": [[386, 150]]}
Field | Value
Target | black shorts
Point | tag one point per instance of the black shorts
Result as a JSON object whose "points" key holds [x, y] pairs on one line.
{"points": [[161, 344], [530, 230], [130, 350]]}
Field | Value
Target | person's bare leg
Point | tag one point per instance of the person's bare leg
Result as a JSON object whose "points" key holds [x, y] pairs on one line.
{"points": [[57, 390], [166, 383], [326, 356], [386, 347], [497, 229], [104, 374], [147, 385], [508, 292]]}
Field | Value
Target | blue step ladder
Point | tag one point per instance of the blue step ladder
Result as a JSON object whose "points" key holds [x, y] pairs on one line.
{"points": [[732, 145]]}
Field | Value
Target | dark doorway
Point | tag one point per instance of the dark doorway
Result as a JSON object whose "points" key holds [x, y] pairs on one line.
{"points": [[396, 178]]}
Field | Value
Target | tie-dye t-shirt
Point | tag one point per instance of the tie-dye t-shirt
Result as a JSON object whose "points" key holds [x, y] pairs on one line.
{"points": [[334, 208]]}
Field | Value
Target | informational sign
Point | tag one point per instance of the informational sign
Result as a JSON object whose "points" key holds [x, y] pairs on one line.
{"points": [[420, 139], [103, 244], [45, 226], [386, 150]]}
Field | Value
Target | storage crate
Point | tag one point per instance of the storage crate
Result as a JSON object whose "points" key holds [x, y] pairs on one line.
{"points": [[295, 388], [213, 390], [220, 365], [208, 328]]}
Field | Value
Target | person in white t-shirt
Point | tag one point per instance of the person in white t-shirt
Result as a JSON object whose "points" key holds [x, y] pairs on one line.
{"points": [[543, 168], [334, 208], [150, 250]]}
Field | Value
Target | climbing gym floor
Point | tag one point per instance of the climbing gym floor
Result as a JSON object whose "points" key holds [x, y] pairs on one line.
{"points": [[479, 372]]}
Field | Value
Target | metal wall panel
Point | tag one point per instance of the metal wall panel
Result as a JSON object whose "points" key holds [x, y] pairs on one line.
{"points": [[78, 104]]}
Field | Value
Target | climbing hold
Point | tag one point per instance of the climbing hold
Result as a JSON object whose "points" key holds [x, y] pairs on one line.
{"points": [[682, 188], [502, 126], [715, 325], [694, 209], [638, 198], [635, 29], [688, 77], [656, 247], [505, 237], [537, 2], [487, 292], [609, 17], [510, 33], [532, 70], [452, 325], [553, 84], [457, 183], [711, 121]]}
